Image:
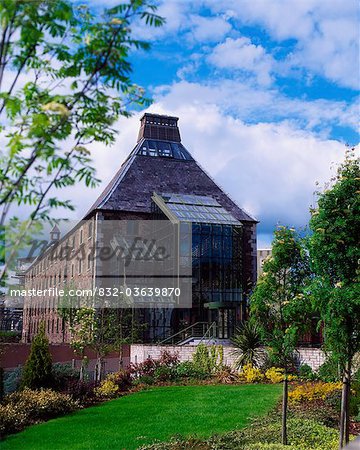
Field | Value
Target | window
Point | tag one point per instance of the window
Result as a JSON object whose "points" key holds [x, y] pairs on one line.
{"points": [[89, 261], [81, 236], [72, 270], [163, 148], [80, 265], [90, 227]]}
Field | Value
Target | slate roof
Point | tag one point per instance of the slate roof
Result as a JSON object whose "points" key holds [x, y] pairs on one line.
{"points": [[140, 176]]}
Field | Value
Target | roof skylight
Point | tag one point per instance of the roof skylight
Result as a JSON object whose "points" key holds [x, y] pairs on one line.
{"points": [[194, 208]]}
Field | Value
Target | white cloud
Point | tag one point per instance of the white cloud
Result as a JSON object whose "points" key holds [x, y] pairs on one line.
{"points": [[326, 32], [270, 169], [241, 54], [252, 104], [208, 29]]}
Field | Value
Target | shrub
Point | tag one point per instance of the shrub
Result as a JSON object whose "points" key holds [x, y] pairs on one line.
{"points": [[12, 419], [168, 359], [149, 366], [276, 375], [313, 391], [63, 374], [164, 373], [329, 371], [37, 371], [354, 405], [208, 358], [185, 369], [303, 434], [107, 389], [306, 372], [251, 374], [145, 379], [41, 405], [122, 379], [225, 375], [247, 343], [272, 358], [333, 399], [188, 369], [27, 407], [145, 368], [81, 391], [12, 380]]}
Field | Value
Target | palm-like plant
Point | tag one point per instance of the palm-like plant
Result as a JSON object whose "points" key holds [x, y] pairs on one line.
{"points": [[247, 343]]}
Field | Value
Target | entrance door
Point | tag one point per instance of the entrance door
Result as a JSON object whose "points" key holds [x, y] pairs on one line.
{"points": [[226, 323]]}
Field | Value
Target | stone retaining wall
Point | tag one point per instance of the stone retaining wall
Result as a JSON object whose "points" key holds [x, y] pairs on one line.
{"points": [[314, 357]]}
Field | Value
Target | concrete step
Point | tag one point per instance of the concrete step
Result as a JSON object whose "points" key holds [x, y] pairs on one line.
{"points": [[214, 341]]}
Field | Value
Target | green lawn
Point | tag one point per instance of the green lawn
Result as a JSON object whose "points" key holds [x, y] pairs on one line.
{"points": [[159, 413]]}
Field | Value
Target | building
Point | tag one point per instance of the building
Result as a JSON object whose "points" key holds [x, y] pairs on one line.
{"points": [[262, 254], [11, 308], [160, 180]]}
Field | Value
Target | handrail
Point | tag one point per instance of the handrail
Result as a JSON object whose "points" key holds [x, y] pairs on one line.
{"points": [[213, 325], [182, 331]]}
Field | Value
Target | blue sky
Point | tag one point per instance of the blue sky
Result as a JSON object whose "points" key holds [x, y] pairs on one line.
{"points": [[266, 92]]}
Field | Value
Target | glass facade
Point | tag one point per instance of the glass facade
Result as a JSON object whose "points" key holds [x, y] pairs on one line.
{"points": [[216, 264], [166, 149]]}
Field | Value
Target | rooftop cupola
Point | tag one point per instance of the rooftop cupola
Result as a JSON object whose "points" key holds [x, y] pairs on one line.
{"points": [[156, 126], [55, 234]]}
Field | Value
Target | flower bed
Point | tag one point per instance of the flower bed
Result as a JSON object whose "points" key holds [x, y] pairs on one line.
{"points": [[309, 392]]}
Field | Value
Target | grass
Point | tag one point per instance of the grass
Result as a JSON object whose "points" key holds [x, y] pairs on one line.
{"points": [[158, 413]]}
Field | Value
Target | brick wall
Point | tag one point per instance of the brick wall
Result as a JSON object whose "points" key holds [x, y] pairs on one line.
{"points": [[14, 355], [314, 357], [54, 270]]}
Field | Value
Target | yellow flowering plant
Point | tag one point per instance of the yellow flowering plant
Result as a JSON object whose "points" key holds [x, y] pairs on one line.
{"points": [[251, 374], [313, 391], [276, 375], [107, 389]]}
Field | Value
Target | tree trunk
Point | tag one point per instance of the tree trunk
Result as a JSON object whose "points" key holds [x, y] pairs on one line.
{"points": [[344, 414], [120, 357], [347, 412], [284, 411], [98, 370], [82, 370]]}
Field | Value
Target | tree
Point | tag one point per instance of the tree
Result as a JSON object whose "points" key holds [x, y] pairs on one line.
{"points": [[279, 305], [64, 82], [335, 255], [37, 372], [114, 328], [82, 327], [102, 329]]}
